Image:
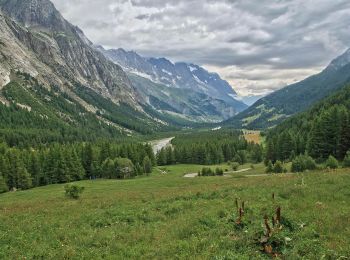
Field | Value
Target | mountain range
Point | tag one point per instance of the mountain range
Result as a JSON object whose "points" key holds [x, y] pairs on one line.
{"points": [[40, 52], [56, 76], [182, 88]]}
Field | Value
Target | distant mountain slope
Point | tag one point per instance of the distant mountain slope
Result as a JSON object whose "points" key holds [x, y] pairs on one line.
{"points": [[214, 92], [36, 41], [180, 102], [278, 106]]}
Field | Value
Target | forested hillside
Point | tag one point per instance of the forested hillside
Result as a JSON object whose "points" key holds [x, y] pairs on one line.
{"points": [[321, 131], [279, 105], [32, 114]]}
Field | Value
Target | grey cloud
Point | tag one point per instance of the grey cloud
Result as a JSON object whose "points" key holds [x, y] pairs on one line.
{"points": [[283, 35]]}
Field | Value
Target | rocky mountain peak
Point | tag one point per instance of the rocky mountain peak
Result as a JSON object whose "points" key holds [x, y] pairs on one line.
{"points": [[35, 13], [59, 51]]}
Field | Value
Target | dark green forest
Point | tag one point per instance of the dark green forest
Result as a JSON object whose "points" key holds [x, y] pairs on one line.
{"points": [[322, 131], [61, 163], [211, 147]]}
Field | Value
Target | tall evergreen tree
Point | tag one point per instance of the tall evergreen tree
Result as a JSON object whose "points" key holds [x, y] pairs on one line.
{"points": [[147, 165]]}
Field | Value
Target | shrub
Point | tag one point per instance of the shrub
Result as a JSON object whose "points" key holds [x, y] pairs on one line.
{"points": [[219, 172], [310, 163], [269, 168], [207, 172], [332, 162], [278, 168], [73, 191], [346, 162], [3, 185], [235, 166], [302, 163]]}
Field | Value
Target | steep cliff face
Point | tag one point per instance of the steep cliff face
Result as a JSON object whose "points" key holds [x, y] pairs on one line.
{"points": [[39, 41]]}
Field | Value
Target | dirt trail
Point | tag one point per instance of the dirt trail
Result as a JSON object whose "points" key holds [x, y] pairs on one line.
{"points": [[191, 175]]}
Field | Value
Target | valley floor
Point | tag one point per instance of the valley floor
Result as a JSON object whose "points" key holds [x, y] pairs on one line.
{"points": [[166, 216]]}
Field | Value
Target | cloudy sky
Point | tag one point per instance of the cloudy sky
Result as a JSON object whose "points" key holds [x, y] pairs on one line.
{"points": [[257, 45]]}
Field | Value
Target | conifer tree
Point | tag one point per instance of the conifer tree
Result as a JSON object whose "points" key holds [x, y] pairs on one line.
{"points": [[147, 165], [88, 160], [346, 162], [161, 157], [3, 185]]}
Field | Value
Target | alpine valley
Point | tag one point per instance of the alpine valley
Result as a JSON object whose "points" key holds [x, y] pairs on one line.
{"points": [[108, 154]]}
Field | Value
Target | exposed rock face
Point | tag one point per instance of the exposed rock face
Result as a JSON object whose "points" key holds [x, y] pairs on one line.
{"points": [[218, 96], [36, 39]]}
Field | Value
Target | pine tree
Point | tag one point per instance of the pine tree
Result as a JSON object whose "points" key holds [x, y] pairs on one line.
{"points": [[147, 165], [19, 178], [269, 167], [108, 169], [105, 151], [332, 162], [162, 157], [35, 168], [344, 138], [170, 157], [278, 167], [88, 160], [346, 162], [150, 154], [285, 144], [3, 184], [270, 152], [5, 169], [75, 166]]}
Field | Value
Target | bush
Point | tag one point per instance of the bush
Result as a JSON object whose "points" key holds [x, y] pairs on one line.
{"points": [[73, 191], [235, 166], [219, 172], [278, 168], [269, 168], [207, 172], [302, 163], [346, 162], [275, 168], [3, 185], [332, 162]]}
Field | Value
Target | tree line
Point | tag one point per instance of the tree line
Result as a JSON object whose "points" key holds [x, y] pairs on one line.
{"points": [[207, 148], [62, 163]]}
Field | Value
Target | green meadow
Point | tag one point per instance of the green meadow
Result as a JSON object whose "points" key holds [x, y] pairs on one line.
{"points": [[167, 216]]}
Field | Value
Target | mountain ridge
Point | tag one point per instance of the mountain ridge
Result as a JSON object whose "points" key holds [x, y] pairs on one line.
{"points": [[64, 56], [281, 104], [180, 75]]}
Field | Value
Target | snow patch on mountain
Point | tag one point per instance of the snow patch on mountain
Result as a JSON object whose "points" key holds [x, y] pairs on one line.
{"points": [[167, 72], [192, 68]]}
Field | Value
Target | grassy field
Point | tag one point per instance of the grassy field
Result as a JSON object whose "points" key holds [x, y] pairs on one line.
{"points": [[166, 216]]}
